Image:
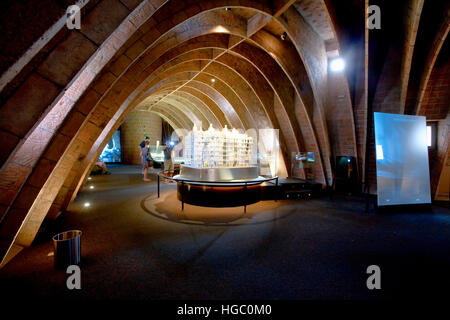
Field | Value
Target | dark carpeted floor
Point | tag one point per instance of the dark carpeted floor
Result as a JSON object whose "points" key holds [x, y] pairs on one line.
{"points": [[306, 249]]}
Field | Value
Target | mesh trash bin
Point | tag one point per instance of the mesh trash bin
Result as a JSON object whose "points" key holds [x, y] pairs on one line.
{"points": [[67, 248]]}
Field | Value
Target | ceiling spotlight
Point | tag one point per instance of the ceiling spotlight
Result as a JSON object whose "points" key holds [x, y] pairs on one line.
{"points": [[87, 204], [90, 178], [213, 80], [283, 36], [337, 65], [91, 187]]}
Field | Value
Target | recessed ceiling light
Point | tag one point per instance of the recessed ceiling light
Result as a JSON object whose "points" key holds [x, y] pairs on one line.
{"points": [[90, 178], [87, 204], [91, 187], [213, 80]]}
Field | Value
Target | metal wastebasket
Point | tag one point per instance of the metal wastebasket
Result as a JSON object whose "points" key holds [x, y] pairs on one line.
{"points": [[67, 248]]}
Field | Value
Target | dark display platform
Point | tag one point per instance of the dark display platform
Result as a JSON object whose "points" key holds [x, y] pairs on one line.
{"points": [[216, 196], [218, 193]]}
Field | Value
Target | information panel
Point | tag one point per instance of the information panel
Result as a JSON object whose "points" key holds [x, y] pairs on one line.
{"points": [[402, 159], [112, 151]]}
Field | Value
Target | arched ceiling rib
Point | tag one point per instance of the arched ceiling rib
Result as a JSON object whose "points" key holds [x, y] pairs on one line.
{"points": [[185, 117], [192, 41], [168, 109], [201, 120]]}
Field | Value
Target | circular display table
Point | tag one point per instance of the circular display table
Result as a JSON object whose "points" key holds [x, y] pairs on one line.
{"points": [[209, 193]]}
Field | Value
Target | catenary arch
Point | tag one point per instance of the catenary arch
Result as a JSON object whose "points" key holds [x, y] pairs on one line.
{"points": [[190, 110], [96, 124], [186, 118], [92, 130]]}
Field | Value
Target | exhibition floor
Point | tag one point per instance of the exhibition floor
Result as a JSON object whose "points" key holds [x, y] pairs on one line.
{"points": [[305, 249]]}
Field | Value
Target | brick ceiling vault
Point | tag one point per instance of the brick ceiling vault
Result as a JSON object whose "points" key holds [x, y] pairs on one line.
{"points": [[190, 62]]}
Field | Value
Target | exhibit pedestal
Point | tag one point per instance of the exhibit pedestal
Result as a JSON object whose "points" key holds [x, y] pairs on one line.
{"points": [[218, 174]]}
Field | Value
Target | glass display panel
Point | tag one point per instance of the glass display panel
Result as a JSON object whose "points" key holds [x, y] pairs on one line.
{"points": [[401, 159], [112, 150]]}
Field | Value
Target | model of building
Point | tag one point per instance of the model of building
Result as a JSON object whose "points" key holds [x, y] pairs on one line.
{"points": [[218, 148]]}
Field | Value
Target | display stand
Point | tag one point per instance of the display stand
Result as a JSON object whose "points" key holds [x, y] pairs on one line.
{"points": [[218, 193]]}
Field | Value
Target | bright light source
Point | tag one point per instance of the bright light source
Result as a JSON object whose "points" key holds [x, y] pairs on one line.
{"points": [[91, 187], [429, 136], [337, 65], [213, 80], [349, 160], [87, 204], [90, 178], [379, 150], [171, 143], [220, 29]]}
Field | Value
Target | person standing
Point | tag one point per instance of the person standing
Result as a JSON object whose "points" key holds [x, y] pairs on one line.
{"points": [[146, 159], [142, 145], [146, 138], [168, 163]]}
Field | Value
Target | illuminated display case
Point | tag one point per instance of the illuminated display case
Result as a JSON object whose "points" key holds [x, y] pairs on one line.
{"points": [[304, 161], [219, 148], [158, 154], [230, 154]]}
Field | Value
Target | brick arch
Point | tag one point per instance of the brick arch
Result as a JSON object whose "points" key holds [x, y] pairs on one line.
{"points": [[425, 87], [219, 77], [211, 104], [93, 112], [212, 75], [192, 100], [181, 120], [233, 112], [191, 110], [189, 98], [312, 51], [167, 118], [61, 106], [187, 118]]}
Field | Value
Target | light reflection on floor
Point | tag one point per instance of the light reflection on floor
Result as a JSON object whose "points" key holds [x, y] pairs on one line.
{"points": [[168, 207]]}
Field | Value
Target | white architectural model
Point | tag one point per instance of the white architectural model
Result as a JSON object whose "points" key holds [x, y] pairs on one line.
{"points": [[218, 149]]}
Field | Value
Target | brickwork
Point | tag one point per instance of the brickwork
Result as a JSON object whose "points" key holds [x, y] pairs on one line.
{"points": [[340, 117], [132, 133], [440, 157], [114, 91], [88, 82], [312, 51], [360, 105], [436, 100]]}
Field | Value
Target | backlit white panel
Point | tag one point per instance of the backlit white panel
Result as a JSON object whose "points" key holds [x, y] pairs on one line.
{"points": [[402, 159]]}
